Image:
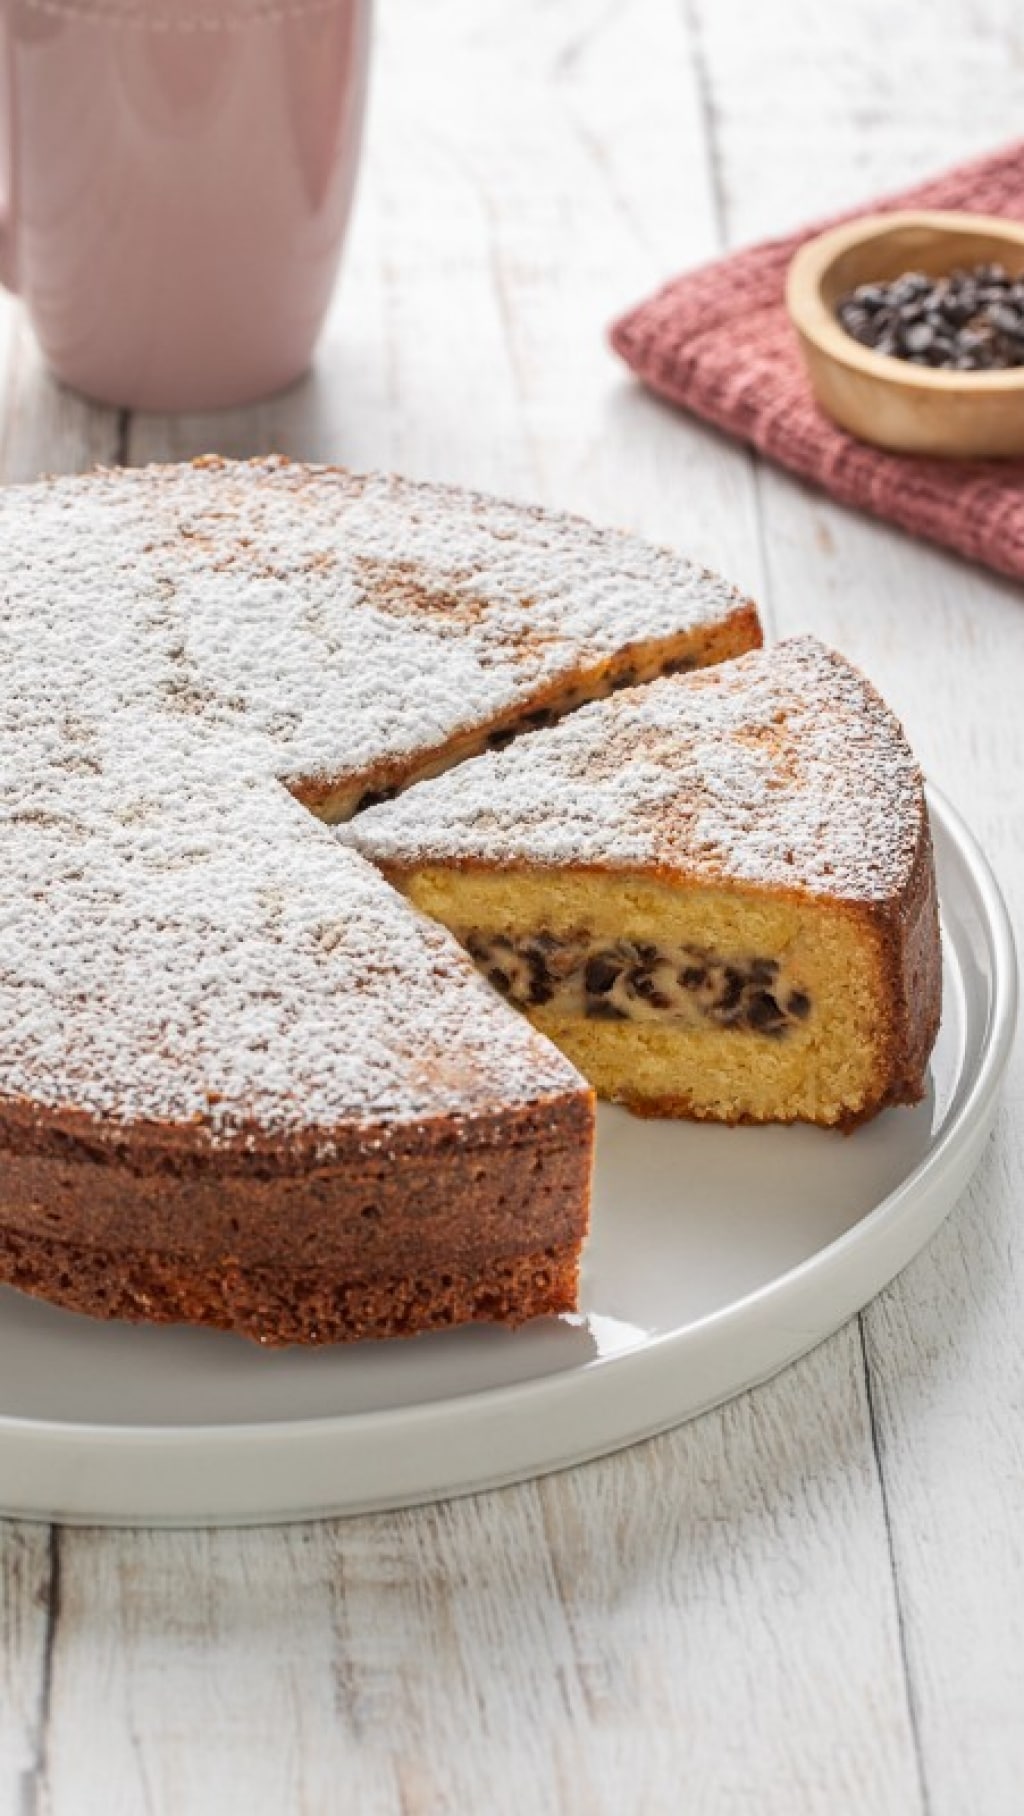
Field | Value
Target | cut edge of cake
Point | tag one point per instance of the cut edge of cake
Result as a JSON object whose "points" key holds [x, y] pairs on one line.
{"points": [[715, 893], [338, 798]]}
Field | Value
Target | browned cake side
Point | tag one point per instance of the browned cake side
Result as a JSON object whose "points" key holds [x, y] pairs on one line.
{"points": [[908, 933], [393, 1235]]}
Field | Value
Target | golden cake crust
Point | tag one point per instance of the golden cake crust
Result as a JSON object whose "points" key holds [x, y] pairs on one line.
{"points": [[241, 1082]]}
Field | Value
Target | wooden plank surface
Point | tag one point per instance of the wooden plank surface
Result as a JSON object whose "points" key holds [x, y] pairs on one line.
{"points": [[748, 1614], [713, 1609], [885, 100], [42, 428]]}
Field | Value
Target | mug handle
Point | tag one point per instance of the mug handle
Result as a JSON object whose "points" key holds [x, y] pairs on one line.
{"points": [[7, 262]]}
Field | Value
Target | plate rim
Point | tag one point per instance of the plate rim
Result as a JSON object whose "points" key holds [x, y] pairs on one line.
{"points": [[966, 1130]]}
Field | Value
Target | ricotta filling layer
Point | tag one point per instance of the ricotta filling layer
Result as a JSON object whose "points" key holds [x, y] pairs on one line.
{"points": [[580, 975]]}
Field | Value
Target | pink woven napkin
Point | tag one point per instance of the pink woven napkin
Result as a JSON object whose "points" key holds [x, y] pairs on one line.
{"points": [[718, 341]]}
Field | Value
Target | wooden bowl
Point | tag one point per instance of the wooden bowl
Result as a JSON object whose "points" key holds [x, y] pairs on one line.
{"points": [[910, 409]]}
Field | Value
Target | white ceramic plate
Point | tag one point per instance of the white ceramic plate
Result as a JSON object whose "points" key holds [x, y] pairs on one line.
{"points": [[717, 1256]]}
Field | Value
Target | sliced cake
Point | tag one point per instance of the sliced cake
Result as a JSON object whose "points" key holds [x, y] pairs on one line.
{"points": [[715, 893], [242, 1082]]}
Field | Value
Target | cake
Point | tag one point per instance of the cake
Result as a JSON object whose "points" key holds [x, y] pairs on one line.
{"points": [[715, 893], [243, 1082]]}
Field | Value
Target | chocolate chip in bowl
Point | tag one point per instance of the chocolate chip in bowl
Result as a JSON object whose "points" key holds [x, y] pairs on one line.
{"points": [[970, 321], [912, 329]]}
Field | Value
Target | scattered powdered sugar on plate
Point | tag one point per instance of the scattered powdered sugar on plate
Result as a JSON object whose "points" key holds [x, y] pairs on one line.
{"points": [[782, 768]]}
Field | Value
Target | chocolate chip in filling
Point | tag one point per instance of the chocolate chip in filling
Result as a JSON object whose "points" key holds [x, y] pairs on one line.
{"points": [[625, 980]]}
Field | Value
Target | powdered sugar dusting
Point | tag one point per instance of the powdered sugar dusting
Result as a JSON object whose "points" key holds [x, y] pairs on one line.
{"points": [[781, 769], [179, 939], [351, 620], [215, 960]]}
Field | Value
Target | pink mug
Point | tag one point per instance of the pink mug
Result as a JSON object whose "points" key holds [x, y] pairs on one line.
{"points": [[179, 180]]}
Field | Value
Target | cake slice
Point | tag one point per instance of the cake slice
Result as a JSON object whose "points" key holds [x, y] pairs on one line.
{"points": [[375, 630], [715, 893], [406, 1154]]}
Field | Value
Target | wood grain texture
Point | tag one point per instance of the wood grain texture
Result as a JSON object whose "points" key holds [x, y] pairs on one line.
{"points": [[708, 1610], [720, 1620], [525, 175], [945, 642], [42, 428], [28, 1609], [45, 428]]}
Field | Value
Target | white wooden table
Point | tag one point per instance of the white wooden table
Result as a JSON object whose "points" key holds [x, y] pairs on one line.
{"points": [[813, 1599]]}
